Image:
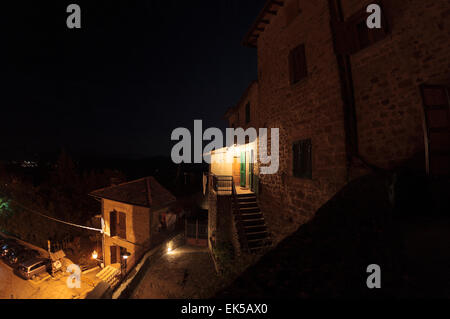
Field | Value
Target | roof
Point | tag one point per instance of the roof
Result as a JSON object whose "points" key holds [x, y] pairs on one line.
{"points": [[270, 9], [242, 98], [146, 192]]}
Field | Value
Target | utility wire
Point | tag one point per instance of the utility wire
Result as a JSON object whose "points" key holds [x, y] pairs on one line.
{"points": [[55, 219]]}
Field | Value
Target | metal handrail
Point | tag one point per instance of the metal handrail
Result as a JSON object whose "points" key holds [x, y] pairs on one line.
{"points": [[237, 213]]}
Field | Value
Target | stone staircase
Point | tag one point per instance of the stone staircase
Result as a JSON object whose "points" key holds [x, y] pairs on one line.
{"points": [[110, 274], [254, 235]]}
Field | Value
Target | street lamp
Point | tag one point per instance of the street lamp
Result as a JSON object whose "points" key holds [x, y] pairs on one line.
{"points": [[94, 255], [125, 257]]}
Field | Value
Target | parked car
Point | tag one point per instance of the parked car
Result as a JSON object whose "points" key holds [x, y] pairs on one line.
{"points": [[10, 248], [33, 267], [3, 241], [15, 259]]}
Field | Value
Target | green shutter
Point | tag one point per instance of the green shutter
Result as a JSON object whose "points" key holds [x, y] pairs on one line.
{"points": [[242, 169]]}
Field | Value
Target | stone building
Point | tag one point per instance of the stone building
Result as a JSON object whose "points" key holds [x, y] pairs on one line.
{"points": [[348, 100], [132, 214]]}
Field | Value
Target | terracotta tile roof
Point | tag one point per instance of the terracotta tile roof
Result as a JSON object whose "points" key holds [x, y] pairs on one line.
{"points": [[145, 192]]}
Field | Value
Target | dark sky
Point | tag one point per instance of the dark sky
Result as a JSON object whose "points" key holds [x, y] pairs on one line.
{"points": [[119, 85]]}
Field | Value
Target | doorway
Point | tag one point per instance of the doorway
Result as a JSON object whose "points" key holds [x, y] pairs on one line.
{"points": [[250, 171], [243, 169]]}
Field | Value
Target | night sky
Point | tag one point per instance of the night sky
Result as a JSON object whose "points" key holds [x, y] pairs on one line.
{"points": [[119, 85]]}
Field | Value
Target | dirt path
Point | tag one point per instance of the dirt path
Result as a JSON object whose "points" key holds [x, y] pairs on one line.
{"points": [[187, 272]]}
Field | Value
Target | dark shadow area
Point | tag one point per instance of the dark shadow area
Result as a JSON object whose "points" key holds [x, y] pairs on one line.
{"points": [[398, 221]]}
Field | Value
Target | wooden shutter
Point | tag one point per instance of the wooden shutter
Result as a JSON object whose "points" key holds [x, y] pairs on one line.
{"points": [[113, 223], [353, 35], [437, 118], [122, 225], [243, 177], [297, 62]]}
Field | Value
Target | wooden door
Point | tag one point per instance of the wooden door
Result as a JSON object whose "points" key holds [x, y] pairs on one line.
{"points": [[243, 170], [113, 223], [236, 171], [437, 131]]}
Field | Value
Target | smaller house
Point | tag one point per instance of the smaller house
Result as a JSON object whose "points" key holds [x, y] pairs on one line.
{"points": [[134, 215]]}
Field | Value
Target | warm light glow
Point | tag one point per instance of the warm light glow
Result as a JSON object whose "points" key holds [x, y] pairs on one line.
{"points": [[125, 256], [94, 255], [235, 150], [170, 248]]}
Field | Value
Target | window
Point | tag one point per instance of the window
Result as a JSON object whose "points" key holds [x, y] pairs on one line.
{"points": [[292, 11], [118, 225], [297, 64], [302, 155], [113, 223], [247, 113], [353, 35]]}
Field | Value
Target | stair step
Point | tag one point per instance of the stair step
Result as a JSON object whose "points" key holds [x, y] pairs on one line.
{"points": [[257, 235], [255, 228], [249, 204], [246, 199], [253, 222], [252, 243], [251, 216], [246, 210], [239, 196]]}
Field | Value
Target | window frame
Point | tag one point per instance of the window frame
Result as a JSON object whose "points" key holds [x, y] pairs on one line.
{"points": [[298, 65], [300, 169], [353, 42]]}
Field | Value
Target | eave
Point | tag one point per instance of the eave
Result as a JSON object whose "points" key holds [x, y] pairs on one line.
{"points": [[270, 10]]}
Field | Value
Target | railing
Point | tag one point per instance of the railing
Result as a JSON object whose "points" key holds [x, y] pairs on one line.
{"points": [[238, 218], [224, 185]]}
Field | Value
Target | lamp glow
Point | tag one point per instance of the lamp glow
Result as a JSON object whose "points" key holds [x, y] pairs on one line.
{"points": [[126, 255]]}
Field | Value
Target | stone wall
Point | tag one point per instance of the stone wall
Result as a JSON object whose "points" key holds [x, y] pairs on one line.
{"points": [[221, 223], [133, 278], [386, 77], [311, 108]]}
